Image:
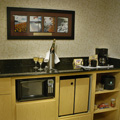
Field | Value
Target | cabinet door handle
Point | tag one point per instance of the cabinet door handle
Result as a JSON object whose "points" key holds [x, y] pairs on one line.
{"points": [[71, 83]]}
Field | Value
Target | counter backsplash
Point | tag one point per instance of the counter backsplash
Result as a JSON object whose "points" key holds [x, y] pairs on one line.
{"points": [[15, 67]]}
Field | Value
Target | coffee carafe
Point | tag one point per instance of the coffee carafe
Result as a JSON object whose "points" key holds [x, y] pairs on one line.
{"points": [[102, 56]]}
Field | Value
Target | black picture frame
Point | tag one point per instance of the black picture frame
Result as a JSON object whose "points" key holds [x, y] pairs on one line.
{"points": [[62, 27]]}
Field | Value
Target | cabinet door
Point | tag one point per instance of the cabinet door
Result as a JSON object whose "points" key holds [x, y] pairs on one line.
{"points": [[81, 95], [5, 85], [5, 107], [66, 97], [36, 110]]}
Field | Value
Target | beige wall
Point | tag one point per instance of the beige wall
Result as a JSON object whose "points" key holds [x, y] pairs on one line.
{"points": [[97, 24]]}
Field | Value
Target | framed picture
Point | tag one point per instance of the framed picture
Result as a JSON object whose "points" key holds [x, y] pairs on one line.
{"points": [[30, 23]]}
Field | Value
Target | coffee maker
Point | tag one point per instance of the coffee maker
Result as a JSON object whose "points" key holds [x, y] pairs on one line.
{"points": [[102, 56]]}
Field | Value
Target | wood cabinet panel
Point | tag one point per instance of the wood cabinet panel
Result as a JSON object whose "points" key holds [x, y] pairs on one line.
{"points": [[66, 97], [36, 110], [5, 107], [5, 85], [81, 95], [82, 117]]}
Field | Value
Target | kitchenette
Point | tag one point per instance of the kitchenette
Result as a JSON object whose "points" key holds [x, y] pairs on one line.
{"points": [[59, 60], [66, 93]]}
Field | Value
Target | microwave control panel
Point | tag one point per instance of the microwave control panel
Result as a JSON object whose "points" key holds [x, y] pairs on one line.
{"points": [[50, 85]]}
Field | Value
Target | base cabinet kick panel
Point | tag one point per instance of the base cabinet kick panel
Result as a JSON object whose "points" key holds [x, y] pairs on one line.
{"points": [[83, 117]]}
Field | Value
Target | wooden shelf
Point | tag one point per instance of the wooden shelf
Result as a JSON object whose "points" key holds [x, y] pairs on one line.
{"points": [[106, 91], [104, 110]]}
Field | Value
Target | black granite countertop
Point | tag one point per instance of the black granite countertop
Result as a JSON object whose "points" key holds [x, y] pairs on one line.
{"points": [[25, 67]]}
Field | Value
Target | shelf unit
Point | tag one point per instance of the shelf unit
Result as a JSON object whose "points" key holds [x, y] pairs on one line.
{"points": [[105, 96]]}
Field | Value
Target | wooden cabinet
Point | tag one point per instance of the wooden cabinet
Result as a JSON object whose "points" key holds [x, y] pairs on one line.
{"points": [[5, 99], [74, 95], [36, 110], [66, 97], [70, 103]]}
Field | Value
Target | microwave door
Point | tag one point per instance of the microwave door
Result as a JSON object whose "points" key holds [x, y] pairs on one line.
{"points": [[35, 88]]}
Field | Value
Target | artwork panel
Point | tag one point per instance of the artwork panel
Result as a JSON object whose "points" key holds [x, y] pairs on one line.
{"points": [[62, 26], [20, 23], [35, 23], [49, 24]]}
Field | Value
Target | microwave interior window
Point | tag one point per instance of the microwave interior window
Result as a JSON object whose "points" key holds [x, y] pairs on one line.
{"points": [[31, 89]]}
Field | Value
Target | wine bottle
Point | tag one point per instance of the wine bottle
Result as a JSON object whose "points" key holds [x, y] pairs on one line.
{"points": [[52, 56], [52, 50]]}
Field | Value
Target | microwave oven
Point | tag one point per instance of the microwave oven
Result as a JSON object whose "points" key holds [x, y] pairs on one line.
{"points": [[35, 88]]}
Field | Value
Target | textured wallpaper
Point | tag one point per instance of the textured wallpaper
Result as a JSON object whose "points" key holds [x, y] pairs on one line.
{"points": [[97, 24]]}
